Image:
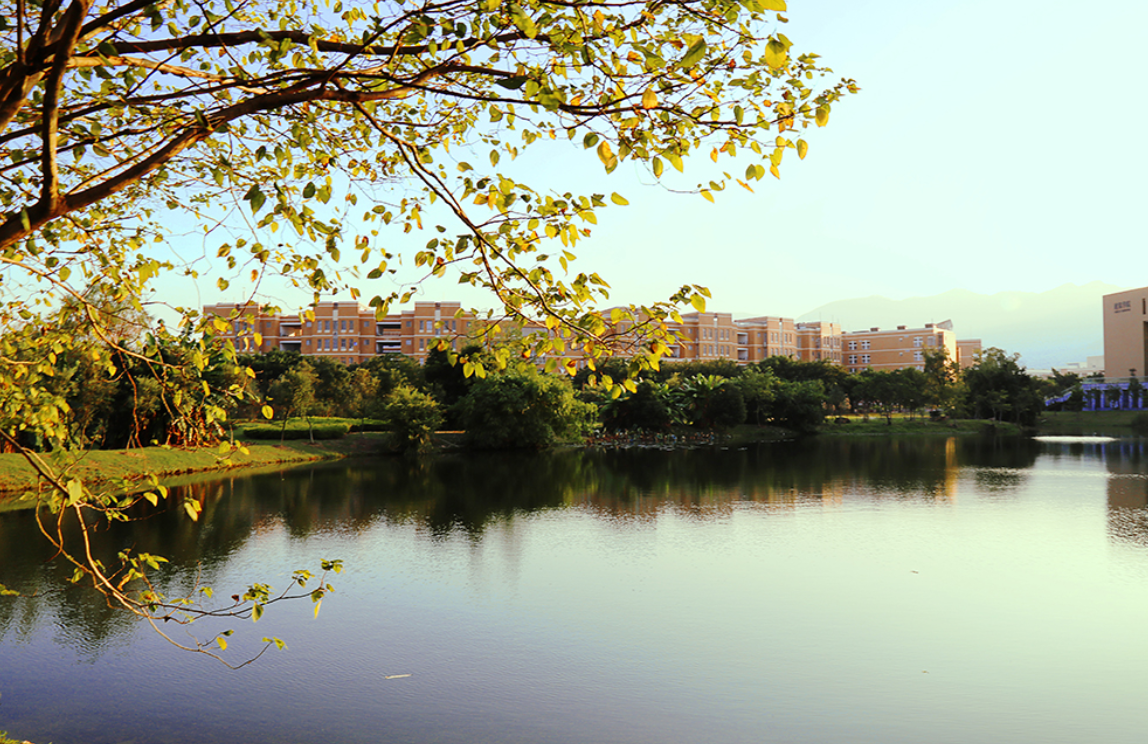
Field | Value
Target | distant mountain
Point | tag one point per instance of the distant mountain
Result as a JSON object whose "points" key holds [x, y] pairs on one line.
{"points": [[1049, 329]]}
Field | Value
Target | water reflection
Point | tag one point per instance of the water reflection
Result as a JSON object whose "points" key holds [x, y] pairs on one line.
{"points": [[466, 494], [789, 592]]}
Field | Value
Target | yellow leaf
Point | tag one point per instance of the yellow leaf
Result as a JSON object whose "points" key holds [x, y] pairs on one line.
{"points": [[258, 339], [618, 199], [706, 193], [776, 173], [699, 303], [802, 148], [649, 99], [268, 412], [822, 116], [776, 55], [604, 152]]}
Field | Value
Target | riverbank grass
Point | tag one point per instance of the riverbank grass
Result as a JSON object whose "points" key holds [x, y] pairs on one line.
{"points": [[5, 740], [878, 425], [107, 466], [1088, 423]]}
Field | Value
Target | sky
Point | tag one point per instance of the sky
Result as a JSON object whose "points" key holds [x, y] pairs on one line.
{"points": [[994, 146]]}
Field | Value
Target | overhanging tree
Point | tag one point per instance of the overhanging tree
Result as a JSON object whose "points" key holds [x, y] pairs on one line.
{"points": [[302, 132]]}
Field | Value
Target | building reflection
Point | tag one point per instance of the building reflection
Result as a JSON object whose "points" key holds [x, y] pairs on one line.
{"points": [[1127, 488], [469, 494]]}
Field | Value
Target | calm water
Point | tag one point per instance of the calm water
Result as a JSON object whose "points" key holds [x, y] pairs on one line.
{"points": [[842, 591]]}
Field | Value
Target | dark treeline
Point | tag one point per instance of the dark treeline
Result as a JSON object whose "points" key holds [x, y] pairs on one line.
{"points": [[122, 406]]}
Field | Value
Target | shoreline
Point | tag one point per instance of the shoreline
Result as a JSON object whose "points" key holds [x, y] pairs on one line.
{"points": [[19, 481]]}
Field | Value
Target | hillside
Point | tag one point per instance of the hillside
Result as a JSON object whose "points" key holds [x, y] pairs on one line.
{"points": [[1049, 329]]}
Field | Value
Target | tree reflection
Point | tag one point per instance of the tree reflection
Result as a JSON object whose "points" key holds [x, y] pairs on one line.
{"points": [[467, 493]]}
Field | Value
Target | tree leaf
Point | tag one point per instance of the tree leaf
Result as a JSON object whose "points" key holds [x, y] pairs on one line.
{"points": [[618, 199], [776, 54], [512, 83], [695, 54]]}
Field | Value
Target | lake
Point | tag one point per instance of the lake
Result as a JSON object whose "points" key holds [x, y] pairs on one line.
{"points": [[860, 590]]}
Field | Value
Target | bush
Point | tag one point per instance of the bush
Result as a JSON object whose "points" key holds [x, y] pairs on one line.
{"points": [[296, 430], [644, 409], [523, 409], [1139, 423], [413, 416]]}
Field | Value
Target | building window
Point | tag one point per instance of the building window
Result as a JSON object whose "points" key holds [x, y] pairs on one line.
{"points": [[918, 356], [917, 340], [852, 358], [865, 345], [864, 358]]}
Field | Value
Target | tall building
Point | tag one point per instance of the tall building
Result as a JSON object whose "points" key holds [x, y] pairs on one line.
{"points": [[1126, 333], [894, 349], [819, 342], [344, 331], [348, 333], [968, 352]]}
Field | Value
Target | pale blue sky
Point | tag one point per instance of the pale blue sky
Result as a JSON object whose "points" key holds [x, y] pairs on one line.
{"points": [[994, 146]]}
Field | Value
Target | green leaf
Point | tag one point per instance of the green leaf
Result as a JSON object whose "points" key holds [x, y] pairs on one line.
{"points": [[512, 83], [694, 54], [256, 612], [658, 167], [75, 491], [256, 196]]}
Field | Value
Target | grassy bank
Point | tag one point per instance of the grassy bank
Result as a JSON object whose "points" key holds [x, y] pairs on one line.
{"points": [[5, 740], [1087, 423], [112, 465], [879, 426]]}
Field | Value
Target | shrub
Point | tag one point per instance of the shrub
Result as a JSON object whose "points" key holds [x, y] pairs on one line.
{"points": [[523, 409], [413, 416], [644, 409], [1139, 423]]}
